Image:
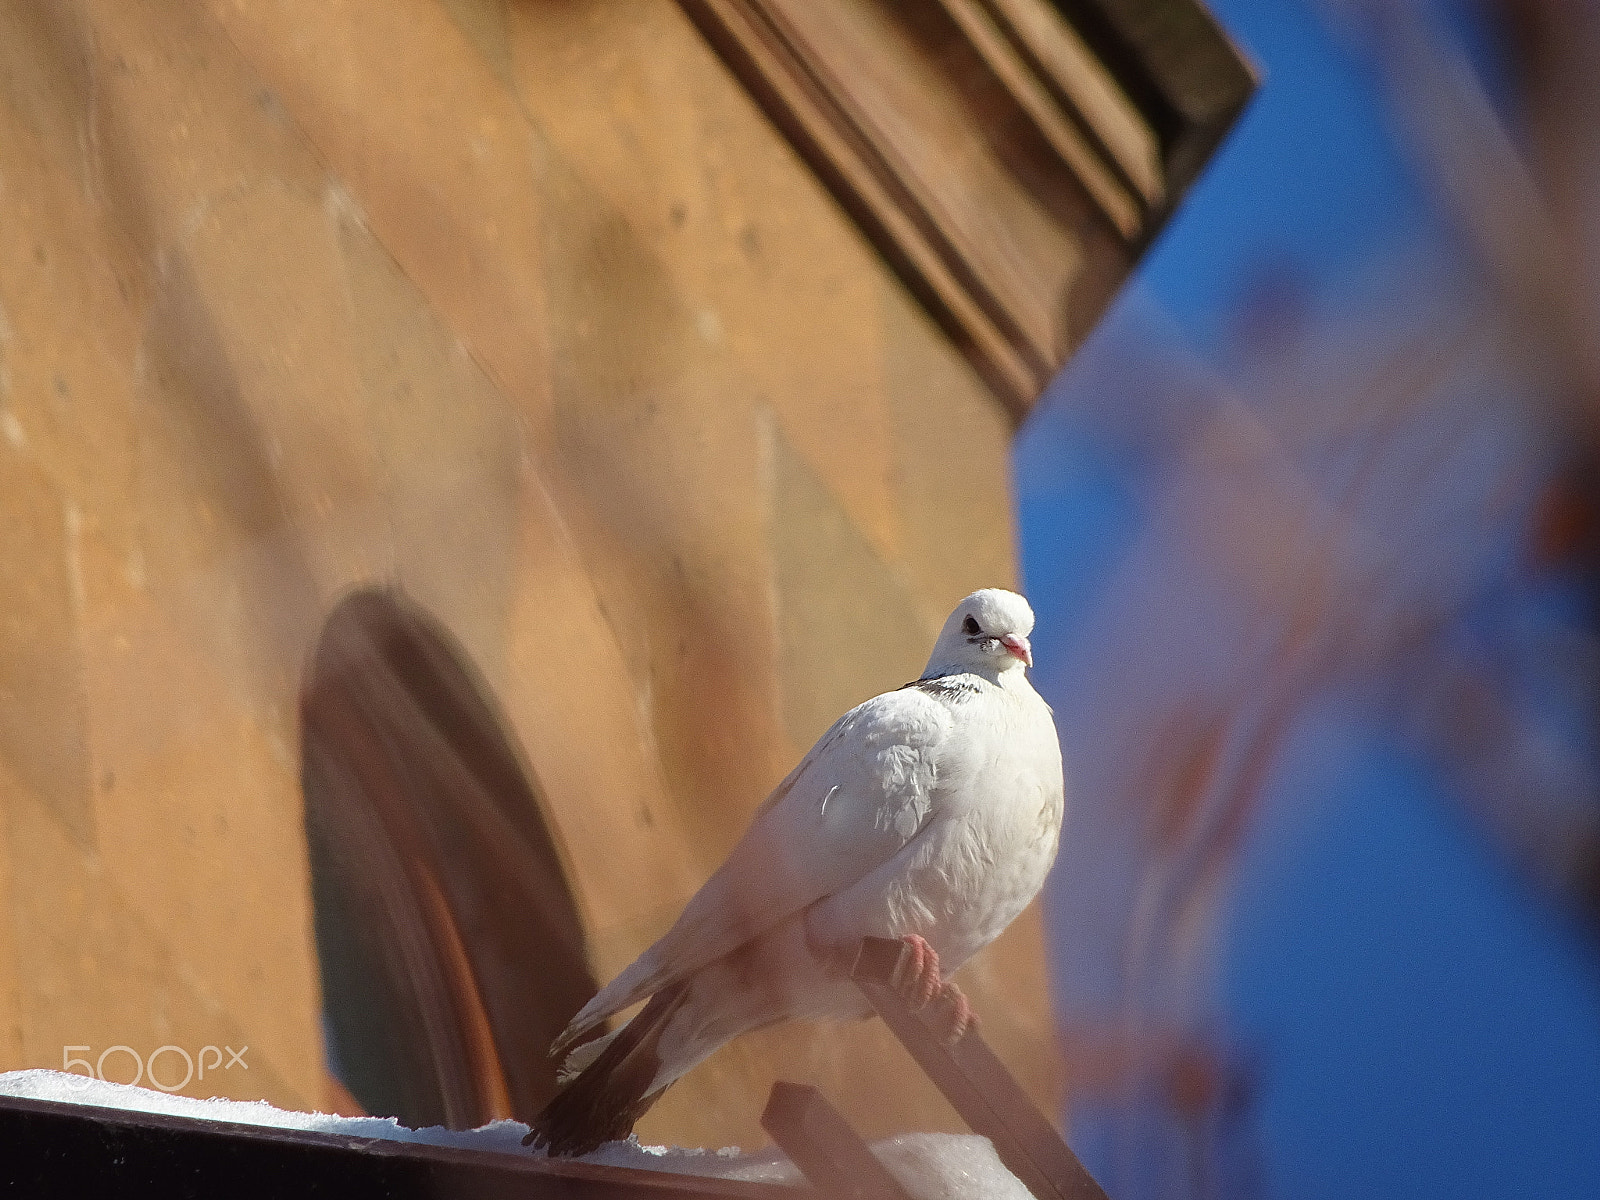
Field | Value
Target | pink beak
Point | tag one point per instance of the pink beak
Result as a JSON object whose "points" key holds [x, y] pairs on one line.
{"points": [[1018, 645]]}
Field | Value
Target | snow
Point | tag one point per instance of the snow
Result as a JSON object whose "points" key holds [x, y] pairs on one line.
{"points": [[931, 1166]]}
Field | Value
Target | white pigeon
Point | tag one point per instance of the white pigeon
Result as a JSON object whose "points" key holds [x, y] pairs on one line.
{"points": [[930, 814]]}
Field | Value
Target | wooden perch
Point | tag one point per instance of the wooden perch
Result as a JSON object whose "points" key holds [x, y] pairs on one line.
{"points": [[977, 1084], [830, 1154]]}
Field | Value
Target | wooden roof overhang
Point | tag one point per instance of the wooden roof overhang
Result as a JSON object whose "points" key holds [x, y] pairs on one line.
{"points": [[1010, 158]]}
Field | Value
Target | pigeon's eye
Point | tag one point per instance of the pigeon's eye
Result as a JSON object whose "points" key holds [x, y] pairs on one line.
{"points": [[970, 626]]}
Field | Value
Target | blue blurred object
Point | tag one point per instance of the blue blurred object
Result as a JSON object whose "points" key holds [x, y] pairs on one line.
{"points": [[1412, 1017], [1311, 175], [1424, 1027]]}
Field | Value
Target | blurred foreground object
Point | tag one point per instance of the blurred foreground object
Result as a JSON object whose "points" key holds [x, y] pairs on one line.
{"points": [[528, 319], [1522, 189], [1338, 593]]}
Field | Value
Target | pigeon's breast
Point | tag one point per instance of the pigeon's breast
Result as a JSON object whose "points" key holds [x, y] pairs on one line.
{"points": [[994, 806], [997, 841], [995, 864]]}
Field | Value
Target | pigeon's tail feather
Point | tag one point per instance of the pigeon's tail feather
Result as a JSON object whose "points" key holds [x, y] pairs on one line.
{"points": [[607, 1096], [580, 1058], [641, 978]]}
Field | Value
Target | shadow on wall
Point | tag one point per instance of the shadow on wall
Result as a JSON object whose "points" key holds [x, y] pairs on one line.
{"points": [[450, 946]]}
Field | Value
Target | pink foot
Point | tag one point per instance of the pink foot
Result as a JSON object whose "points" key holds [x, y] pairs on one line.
{"points": [[917, 978], [953, 1016]]}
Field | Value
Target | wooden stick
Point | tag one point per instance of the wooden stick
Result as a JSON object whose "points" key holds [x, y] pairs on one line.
{"points": [[830, 1154], [977, 1084]]}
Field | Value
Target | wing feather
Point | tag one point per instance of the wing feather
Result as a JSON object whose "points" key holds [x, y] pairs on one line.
{"points": [[866, 789]]}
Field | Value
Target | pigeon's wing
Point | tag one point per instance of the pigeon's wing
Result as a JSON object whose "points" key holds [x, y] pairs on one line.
{"points": [[865, 790]]}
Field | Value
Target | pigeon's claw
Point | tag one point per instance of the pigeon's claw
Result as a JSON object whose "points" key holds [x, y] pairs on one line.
{"points": [[953, 1016], [917, 978]]}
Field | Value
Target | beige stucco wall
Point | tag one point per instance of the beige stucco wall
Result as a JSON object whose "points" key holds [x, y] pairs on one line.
{"points": [[526, 307]]}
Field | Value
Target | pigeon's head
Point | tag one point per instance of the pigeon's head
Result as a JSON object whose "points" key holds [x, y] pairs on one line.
{"points": [[987, 634]]}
